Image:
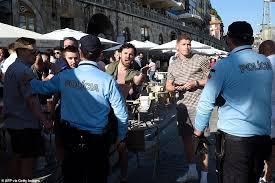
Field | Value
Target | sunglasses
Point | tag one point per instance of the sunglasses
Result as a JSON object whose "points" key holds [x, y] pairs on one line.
{"points": [[57, 52], [33, 51]]}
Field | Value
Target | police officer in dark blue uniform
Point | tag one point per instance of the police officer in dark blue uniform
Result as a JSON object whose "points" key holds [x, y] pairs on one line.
{"points": [[87, 96]]}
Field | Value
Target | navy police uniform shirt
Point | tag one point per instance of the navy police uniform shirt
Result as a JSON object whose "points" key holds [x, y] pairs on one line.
{"points": [[87, 94]]}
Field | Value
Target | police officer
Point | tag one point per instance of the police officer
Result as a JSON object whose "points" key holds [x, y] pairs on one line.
{"points": [[87, 94], [244, 81]]}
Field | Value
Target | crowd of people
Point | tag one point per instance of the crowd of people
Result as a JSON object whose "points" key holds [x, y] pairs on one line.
{"points": [[85, 91]]}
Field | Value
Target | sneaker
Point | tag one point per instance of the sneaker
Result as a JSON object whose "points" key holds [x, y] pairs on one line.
{"points": [[264, 181], [188, 177]]}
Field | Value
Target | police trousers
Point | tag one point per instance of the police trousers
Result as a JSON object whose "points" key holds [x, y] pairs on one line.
{"points": [[86, 157], [244, 158]]}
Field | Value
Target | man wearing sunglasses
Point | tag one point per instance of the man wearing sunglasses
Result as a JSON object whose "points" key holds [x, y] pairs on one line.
{"points": [[23, 116]]}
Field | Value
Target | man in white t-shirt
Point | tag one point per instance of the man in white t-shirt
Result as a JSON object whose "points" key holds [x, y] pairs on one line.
{"points": [[10, 59]]}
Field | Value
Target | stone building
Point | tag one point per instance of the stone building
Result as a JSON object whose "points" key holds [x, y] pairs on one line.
{"points": [[118, 20]]}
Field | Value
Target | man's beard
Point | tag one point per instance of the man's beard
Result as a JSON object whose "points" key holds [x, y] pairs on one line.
{"points": [[126, 64]]}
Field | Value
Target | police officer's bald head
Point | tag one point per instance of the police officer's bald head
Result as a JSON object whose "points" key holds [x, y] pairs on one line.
{"points": [[267, 48]]}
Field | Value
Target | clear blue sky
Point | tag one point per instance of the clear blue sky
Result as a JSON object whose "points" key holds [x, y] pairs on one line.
{"points": [[242, 10]]}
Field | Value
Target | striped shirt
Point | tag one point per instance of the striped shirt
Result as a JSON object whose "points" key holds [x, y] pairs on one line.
{"points": [[181, 71]]}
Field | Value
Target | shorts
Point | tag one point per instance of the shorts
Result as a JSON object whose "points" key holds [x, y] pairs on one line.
{"points": [[27, 143], [186, 120]]}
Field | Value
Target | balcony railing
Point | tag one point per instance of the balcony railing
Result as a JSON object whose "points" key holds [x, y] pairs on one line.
{"points": [[128, 7]]}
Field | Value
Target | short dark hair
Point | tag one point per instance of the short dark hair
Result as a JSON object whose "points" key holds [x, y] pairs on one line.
{"points": [[185, 37], [70, 48], [22, 43], [46, 53], [49, 51], [58, 48], [91, 55], [127, 46], [71, 39], [240, 33]]}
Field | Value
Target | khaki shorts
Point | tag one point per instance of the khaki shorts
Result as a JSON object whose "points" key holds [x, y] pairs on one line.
{"points": [[186, 119]]}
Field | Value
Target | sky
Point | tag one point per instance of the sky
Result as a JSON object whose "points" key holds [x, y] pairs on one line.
{"points": [[242, 10]]}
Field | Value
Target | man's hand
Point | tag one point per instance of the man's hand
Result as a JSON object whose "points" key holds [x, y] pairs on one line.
{"points": [[198, 133], [145, 69], [190, 85]]}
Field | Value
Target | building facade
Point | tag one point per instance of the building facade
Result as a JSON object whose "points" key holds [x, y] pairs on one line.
{"points": [[118, 20], [215, 27]]}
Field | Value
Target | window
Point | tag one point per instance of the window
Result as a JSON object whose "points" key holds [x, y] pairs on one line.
{"points": [[126, 34], [66, 23], [26, 17], [145, 33], [160, 39], [173, 36]]}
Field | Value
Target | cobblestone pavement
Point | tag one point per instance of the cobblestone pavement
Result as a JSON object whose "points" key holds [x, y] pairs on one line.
{"points": [[171, 164]]}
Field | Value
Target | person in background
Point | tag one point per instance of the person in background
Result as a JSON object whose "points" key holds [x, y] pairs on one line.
{"points": [[47, 64], [23, 116], [10, 59], [139, 62], [114, 58], [189, 84], [87, 95], [38, 67], [2, 55], [71, 55], [152, 69], [57, 52], [100, 62], [243, 82], [52, 59], [70, 41], [212, 62], [267, 48]]}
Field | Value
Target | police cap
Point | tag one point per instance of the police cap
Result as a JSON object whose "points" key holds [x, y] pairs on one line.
{"points": [[90, 43]]}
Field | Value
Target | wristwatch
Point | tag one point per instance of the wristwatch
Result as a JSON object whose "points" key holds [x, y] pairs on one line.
{"points": [[197, 84]]}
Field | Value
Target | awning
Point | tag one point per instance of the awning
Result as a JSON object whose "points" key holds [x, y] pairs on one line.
{"points": [[138, 44], [8, 34], [63, 33], [172, 46]]}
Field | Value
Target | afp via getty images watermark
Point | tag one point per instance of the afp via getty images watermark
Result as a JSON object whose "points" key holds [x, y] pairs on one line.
{"points": [[21, 180]]}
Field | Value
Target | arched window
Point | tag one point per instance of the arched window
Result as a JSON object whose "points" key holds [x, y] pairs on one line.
{"points": [[26, 17], [127, 35], [160, 39], [173, 36], [145, 33]]}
